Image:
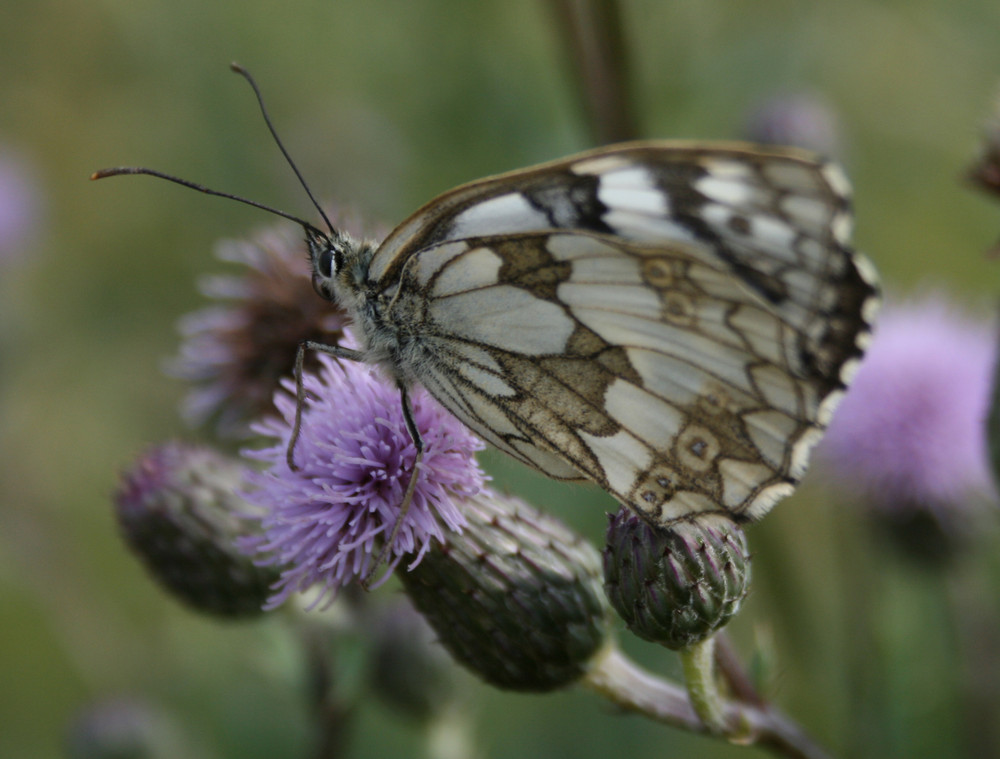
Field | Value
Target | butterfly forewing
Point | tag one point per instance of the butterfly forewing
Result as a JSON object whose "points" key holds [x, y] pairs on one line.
{"points": [[671, 321]]}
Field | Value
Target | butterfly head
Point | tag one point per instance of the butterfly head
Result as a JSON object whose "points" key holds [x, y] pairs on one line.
{"points": [[328, 255]]}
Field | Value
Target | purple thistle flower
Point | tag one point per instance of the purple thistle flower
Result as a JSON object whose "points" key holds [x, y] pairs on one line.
{"points": [[235, 352], [324, 521], [802, 119], [19, 206], [910, 434]]}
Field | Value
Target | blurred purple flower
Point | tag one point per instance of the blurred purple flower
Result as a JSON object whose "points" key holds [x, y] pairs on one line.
{"points": [[122, 727], [235, 353], [19, 202], [325, 522], [910, 433], [801, 119]]}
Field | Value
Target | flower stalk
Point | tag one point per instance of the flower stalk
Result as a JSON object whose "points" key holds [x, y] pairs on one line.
{"points": [[698, 661], [620, 680], [594, 40]]}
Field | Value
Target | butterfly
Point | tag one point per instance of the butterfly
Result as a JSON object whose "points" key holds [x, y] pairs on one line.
{"points": [[672, 321]]}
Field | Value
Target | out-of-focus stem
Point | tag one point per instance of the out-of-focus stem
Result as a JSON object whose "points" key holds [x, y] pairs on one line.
{"points": [[593, 37], [976, 626], [732, 671]]}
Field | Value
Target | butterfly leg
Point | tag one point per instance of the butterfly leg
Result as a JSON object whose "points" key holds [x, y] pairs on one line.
{"points": [[300, 390], [411, 486]]}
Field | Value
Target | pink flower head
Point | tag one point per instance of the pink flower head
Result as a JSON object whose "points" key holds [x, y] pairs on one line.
{"points": [[19, 206], [911, 430], [236, 352], [803, 119], [325, 522]]}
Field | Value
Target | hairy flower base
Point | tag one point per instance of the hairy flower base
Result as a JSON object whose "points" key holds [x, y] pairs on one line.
{"points": [[179, 512], [325, 522], [516, 597]]}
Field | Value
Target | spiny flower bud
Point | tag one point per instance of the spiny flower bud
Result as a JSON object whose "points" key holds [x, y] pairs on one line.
{"points": [[516, 597], [179, 512], [677, 585]]}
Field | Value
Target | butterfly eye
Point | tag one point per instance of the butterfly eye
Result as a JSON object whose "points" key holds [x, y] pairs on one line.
{"points": [[325, 262], [324, 267]]}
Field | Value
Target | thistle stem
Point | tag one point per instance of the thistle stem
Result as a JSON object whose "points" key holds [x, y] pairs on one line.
{"points": [[698, 661], [594, 38], [449, 734], [620, 680]]}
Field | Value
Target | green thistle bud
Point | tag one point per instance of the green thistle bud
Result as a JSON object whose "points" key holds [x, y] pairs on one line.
{"points": [[516, 597], [180, 513], [678, 585]]}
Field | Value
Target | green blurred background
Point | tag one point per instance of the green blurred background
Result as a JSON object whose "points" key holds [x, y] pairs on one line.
{"points": [[385, 104]]}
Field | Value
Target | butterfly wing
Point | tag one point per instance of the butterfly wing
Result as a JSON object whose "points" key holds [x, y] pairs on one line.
{"points": [[670, 321]]}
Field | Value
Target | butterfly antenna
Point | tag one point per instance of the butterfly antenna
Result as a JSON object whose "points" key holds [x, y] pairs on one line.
{"points": [[121, 170], [267, 120]]}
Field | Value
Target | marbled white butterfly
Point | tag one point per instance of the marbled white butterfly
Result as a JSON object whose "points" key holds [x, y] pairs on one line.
{"points": [[673, 321]]}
